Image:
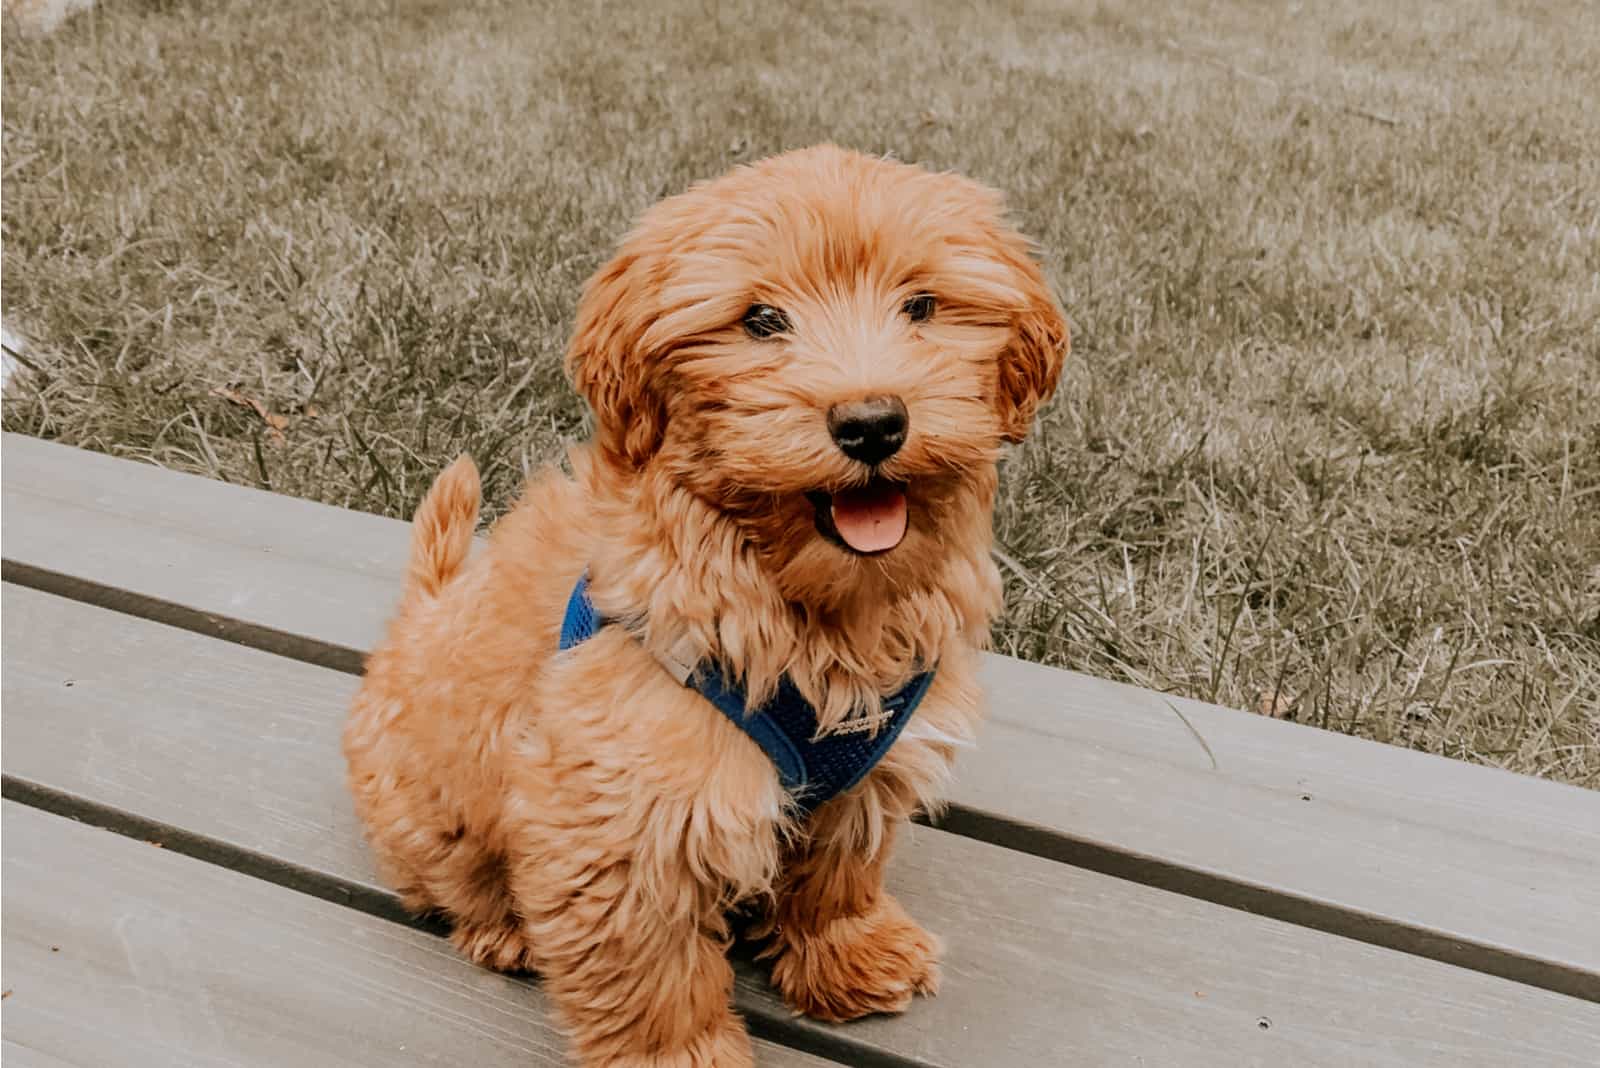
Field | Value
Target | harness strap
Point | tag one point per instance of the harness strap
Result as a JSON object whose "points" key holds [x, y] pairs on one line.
{"points": [[812, 769]]}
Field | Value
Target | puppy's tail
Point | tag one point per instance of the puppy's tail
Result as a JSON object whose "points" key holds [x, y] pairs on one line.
{"points": [[441, 533]]}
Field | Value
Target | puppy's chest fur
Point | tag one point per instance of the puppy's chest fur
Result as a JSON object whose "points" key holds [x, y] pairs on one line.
{"points": [[613, 730]]}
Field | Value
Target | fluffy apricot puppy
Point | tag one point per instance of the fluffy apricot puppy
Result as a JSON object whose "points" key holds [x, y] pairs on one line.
{"points": [[801, 374]]}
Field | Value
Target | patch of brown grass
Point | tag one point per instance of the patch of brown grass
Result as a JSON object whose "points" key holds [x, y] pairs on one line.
{"points": [[1329, 446]]}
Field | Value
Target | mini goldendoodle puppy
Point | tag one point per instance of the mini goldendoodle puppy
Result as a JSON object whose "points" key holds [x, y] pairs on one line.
{"points": [[725, 659]]}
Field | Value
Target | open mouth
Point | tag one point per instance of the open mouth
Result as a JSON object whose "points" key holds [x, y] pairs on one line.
{"points": [[868, 520]]}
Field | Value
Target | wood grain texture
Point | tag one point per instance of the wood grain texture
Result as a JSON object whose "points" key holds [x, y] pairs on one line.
{"points": [[1471, 865], [1047, 963], [207, 555], [15, 1055], [118, 953], [1077, 769]]}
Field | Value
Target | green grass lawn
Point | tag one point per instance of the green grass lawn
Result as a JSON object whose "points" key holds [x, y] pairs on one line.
{"points": [[1329, 445]]}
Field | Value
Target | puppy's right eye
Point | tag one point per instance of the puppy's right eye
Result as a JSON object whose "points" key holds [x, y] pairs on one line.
{"points": [[919, 309], [763, 321]]}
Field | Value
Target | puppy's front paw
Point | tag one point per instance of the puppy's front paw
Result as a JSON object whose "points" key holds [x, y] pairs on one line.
{"points": [[725, 1045], [853, 966]]}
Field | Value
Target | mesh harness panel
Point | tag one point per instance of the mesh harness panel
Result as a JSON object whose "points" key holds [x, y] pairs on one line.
{"points": [[812, 769]]}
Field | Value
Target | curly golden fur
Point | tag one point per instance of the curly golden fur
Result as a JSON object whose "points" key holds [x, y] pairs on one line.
{"points": [[582, 814]]}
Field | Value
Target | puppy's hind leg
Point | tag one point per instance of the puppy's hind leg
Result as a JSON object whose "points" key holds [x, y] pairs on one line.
{"points": [[438, 868], [429, 855], [485, 925]]}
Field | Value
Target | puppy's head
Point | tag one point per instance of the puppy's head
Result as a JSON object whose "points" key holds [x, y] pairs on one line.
{"points": [[829, 349]]}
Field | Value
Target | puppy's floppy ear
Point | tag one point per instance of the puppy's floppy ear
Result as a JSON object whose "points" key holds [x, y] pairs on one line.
{"points": [[607, 360], [1031, 364]]}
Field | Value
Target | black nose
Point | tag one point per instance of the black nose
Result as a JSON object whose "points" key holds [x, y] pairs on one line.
{"points": [[871, 429]]}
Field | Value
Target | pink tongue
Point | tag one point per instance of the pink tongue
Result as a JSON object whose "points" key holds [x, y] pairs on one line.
{"points": [[870, 520]]}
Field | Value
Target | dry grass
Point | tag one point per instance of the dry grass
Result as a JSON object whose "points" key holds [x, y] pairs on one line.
{"points": [[1331, 432]]}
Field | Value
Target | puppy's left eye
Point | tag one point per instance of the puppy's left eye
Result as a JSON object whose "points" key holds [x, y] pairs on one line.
{"points": [[919, 309], [763, 321]]}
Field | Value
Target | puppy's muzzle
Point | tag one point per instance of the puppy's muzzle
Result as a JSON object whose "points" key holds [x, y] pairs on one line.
{"points": [[871, 429]]}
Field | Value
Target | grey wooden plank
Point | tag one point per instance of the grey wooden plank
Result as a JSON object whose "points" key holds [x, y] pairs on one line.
{"points": [[15, 1055], [1295, 820], [1047, 963], [120, 953], [1075, 768], [69, 514]]}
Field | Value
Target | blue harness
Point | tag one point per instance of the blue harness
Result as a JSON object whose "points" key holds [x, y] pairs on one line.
{"points": [[812, 769]]}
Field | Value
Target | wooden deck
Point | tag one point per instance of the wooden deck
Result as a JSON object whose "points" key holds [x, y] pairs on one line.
{"points": [[178, 655]]}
